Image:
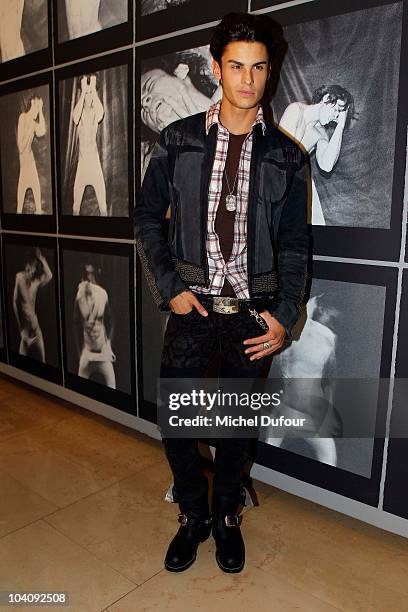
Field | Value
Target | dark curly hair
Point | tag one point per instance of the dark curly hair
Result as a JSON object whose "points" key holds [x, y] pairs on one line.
{"points": [[242, 27], [334, 93]]}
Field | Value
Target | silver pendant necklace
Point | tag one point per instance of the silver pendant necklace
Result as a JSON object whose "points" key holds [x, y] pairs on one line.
{"points": [[231, 199]]}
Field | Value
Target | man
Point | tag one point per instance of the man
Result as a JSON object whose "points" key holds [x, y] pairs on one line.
{"points": [[234, 263], [94, 329], [307, 124], [11, 15], [310, 364], [87, 115], [30, 124], [170, 94], [82, 17], [36, 274]]}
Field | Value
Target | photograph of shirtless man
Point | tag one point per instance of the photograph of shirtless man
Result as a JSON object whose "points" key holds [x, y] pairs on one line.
{"points": [[26, 152], [87, 115], [83, 18], [306, 123], [93, 325], [35, 275], [23, 28], [30, 124], [11, 15], [173, 87], [310, 393]]}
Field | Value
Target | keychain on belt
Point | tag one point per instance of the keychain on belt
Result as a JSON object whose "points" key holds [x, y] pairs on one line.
{"points": [[259, 319]]}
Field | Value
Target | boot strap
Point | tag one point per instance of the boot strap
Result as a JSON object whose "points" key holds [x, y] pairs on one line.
{"points": [[184, 519], [231, 520]]}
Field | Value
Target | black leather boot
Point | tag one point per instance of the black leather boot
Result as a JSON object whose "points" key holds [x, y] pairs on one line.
{"points": [[195, 528], [230, 553]]}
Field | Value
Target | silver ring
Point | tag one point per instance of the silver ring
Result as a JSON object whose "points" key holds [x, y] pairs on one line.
{"points": [[266, 345]]}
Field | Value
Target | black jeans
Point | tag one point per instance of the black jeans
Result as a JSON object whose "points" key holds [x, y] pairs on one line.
{"points": [[189, 345]]}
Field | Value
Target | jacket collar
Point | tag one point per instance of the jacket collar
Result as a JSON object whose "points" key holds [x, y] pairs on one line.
{"points": [[212, 117]]}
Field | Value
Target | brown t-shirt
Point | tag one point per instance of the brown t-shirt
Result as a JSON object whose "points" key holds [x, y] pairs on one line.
{"points": [[224, 220]]}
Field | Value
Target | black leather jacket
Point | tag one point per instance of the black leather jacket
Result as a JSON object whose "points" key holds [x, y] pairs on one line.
{"points": [[278, 240]]}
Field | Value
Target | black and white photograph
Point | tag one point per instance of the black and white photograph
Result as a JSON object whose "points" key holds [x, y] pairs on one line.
{"points": [[31, 283], [26, 157], [23, 31], [395, 500], [18, 37], [97, 24], [339, 98], [77, 18], [94, 147], [98, 319], [344, 334], [331, 76], [173, 85], [156, 17], [335, 338]]}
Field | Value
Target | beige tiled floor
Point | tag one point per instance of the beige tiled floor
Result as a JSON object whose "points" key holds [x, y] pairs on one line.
{"points": [[82, 511]]}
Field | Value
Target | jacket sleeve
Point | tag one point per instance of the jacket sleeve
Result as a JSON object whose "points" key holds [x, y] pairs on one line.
{"points": [[293, 245], [149, 215]]}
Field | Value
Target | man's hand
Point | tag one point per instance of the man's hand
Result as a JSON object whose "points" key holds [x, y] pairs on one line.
{"points": [[275, 336], [341, 121], [185, 302]]}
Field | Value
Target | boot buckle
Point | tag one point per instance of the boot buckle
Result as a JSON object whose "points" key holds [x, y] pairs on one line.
{"points": [[231, 520], [182, 518]]}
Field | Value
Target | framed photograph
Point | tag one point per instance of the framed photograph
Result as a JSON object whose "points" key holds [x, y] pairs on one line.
{"points": [[151, 326], [173, 80], [97, 306], [27, 154], [343, 342], [30, 280], [3, 346], [94, 147], [395, 498], [99, 25], [156, 17], [25, 37], [348, 109]]}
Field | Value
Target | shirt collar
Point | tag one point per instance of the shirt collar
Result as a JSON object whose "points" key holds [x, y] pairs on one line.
{"points": [[212, 116]]}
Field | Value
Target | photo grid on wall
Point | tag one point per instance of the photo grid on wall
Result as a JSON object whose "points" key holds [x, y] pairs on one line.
{"points": [[76, 137]]}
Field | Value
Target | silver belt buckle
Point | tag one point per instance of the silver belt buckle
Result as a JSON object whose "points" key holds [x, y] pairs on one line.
{"points": [[225, 305]]}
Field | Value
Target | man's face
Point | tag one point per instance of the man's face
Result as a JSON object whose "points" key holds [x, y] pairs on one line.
{"points": [[89, 273], [29, 270], [159, 93], [329, 111], [244, 71]]}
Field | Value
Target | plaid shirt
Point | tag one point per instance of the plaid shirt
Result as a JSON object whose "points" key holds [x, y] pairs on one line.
{"points": [[235, 269]]}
